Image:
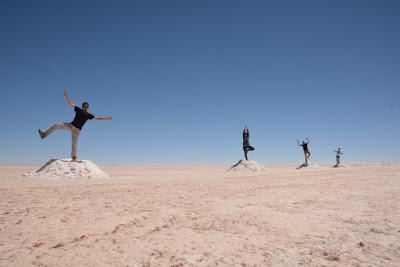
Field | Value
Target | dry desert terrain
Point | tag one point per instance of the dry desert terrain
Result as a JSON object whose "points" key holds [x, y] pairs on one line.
{"points": [[202, 216]]}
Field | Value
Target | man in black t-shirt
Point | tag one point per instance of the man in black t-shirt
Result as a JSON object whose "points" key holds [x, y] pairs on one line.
{"points": [[307, 153], [75, 127]]}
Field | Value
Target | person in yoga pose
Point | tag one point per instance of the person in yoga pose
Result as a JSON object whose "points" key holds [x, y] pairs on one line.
{"points": [[246, 145]]}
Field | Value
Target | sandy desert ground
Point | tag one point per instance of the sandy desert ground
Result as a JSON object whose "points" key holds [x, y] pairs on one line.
{"points": [[202, 216]]}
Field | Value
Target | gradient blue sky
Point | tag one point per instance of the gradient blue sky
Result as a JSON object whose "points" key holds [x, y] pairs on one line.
{"points": [[182, 79]]}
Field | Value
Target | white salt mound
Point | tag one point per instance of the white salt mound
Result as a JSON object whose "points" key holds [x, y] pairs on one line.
{"points": [[247, 166], [313, 165], [309, 165], [341, 165], [66, 168]]}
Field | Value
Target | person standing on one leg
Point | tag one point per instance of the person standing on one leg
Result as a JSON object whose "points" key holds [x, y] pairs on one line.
{"points": [[338, 153], [307, 153], [75, 127], [246, 144]]}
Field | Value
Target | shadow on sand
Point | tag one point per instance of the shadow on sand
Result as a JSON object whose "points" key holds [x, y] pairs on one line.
{"points": [[45, 165], [237, 164], [302, 166], [338, 166]]}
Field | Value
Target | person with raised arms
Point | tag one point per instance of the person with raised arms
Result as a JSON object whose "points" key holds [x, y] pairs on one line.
{"points": [[75, 127], [306, 151]]}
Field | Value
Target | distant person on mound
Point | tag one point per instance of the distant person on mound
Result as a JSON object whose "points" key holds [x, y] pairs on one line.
{"points": [[307, 153], [338, 153], [246, 145], [75, 127]]}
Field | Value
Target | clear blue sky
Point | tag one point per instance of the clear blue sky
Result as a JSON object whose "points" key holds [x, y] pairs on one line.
{"points": [[182, 78]]}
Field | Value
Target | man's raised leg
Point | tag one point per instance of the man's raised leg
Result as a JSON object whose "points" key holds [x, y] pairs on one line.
{"points": [[57, 126]]}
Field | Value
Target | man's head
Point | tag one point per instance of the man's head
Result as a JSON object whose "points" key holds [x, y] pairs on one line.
{"points": [[304, 142], [85, 106]]}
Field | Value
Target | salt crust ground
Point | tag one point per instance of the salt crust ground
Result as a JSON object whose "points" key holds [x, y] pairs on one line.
{"points": [[202, 216]]}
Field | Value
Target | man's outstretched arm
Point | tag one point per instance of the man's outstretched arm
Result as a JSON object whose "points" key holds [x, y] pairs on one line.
{"points": [[103, 118], [69, 101]]}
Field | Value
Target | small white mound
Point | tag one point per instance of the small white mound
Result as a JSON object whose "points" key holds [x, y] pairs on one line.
{"points": [[341, 165], [309, 165], [65, 168], [313, 165], [247, 166]]}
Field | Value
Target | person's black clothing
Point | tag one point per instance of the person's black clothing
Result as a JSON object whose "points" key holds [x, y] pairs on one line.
{"points": [[247, 149], [246, 143], [81, 117], [305, 146], [246, 136]]}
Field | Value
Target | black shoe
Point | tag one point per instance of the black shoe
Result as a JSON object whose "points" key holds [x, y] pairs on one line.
{"points": [[42, 134]]}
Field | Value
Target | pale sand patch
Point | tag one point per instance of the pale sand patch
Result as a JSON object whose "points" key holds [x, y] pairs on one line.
{"points": [[201, 216]]}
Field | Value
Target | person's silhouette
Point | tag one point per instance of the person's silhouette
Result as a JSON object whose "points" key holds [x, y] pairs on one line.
{"points": [[307, 153], [246, 145], [338, 153]]}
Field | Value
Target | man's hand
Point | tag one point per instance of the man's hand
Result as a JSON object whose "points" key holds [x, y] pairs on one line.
{"points": [[103, 118], [68, 99]]}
